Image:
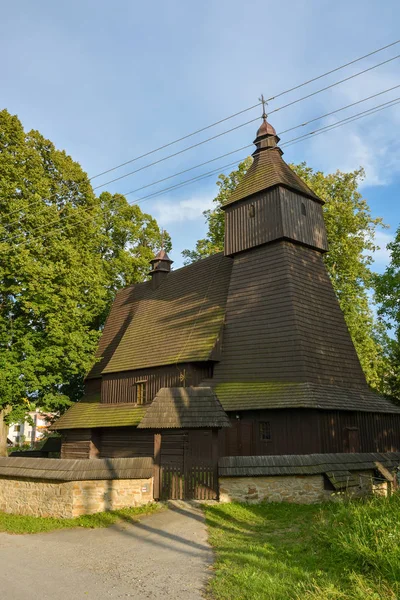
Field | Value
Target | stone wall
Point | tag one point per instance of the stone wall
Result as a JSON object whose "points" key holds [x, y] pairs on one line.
{"points": [[38, 497], [97, 496], [299, 489]]}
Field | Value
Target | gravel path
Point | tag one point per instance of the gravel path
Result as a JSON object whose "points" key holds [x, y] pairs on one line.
{"points": [[163, 556]]}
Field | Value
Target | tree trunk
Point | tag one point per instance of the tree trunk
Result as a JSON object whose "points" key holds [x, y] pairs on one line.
{"points": [[3, 435]]}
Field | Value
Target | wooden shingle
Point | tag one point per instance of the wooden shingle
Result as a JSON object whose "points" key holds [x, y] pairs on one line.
{"points": [[339, 466], [275, 395], [187, 407], [89, 412], [268, 170], [61, 469], [180, 321]]}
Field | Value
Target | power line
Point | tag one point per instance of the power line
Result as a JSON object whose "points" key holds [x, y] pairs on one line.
{"points": [[328, 87], [233, 151], [244, 124], [156, 162], [250, 145], [288, 143], [371, 111], [332, 71], [221, 168], [181, 139], [185, 137]]}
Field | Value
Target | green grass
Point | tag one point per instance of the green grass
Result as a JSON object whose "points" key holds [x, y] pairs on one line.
{"points": [[335, 551], [27, 524]]}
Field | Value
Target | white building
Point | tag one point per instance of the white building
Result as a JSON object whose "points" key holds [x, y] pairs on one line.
{"points": [[25, 433]]}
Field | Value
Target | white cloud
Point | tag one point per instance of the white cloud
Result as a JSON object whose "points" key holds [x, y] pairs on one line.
{"points": [[368, 143], [381, 257], [178, 211]]}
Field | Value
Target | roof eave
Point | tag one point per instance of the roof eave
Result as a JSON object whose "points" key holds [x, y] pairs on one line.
{"points": [[311, 196]]}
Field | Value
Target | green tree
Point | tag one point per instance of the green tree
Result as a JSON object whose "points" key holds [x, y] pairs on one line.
{"points": [[63, 254], [214, 241], [129, 239], [351, 231], [387, 290]]}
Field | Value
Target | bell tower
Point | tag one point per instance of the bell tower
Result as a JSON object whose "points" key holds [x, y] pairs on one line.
{"points": [[283, 323], [272, 203]]}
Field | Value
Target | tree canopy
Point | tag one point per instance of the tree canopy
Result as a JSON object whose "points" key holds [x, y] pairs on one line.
{"points": [[351, 231], [387, 289], [63, 254]]}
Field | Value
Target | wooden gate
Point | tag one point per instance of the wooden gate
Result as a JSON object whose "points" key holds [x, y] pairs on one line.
{"points": [[186, 465]]}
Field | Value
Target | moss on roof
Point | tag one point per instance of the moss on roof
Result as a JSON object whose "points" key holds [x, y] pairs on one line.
{"points": [[180, 321], [280, 394], [268, 170], [90, 412]]}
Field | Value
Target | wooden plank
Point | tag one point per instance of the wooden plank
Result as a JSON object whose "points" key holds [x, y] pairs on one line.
{"points": [[156, 468]]}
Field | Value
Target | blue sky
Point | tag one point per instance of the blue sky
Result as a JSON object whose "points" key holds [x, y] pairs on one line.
{"points": [[109, 81]]}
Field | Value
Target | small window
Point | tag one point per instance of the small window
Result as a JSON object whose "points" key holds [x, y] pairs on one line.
{"points": [[141, 392], [17, 428], [303, 209], [265, 431], [252, 211]]}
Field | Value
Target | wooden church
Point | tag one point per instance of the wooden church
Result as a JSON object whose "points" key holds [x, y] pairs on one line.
{"points": [[242, 353]]}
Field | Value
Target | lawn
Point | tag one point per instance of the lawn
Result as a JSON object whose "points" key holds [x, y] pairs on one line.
{"points": [[335, 551], [26, 524]]}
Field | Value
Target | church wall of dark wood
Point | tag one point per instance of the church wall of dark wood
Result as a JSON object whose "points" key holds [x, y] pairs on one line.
{"points": [[343, 431], [93, 386], [245, 222], [255, 433], [304, 431], [125, 442], [275, 214], [79, 443], [121, 387], [302, 220], [293, 431]]}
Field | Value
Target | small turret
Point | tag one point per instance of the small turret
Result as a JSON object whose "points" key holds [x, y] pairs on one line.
{"points": [[161, 266]]}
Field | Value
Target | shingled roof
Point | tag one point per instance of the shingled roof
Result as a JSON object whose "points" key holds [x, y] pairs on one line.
{"points": [[90, 412], [281, 394], [339, 466], [268, 169], [180, 321], [64, 469], [187, 407]]}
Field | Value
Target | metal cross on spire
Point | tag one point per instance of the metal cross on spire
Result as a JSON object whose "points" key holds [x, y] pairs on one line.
{"points": [[264, 104]]}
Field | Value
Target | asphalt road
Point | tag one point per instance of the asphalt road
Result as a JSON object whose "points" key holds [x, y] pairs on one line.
{"points": [[165, 555]]}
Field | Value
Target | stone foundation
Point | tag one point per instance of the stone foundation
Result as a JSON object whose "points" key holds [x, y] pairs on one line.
{"points": [[38, 497], [299, 489]]}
